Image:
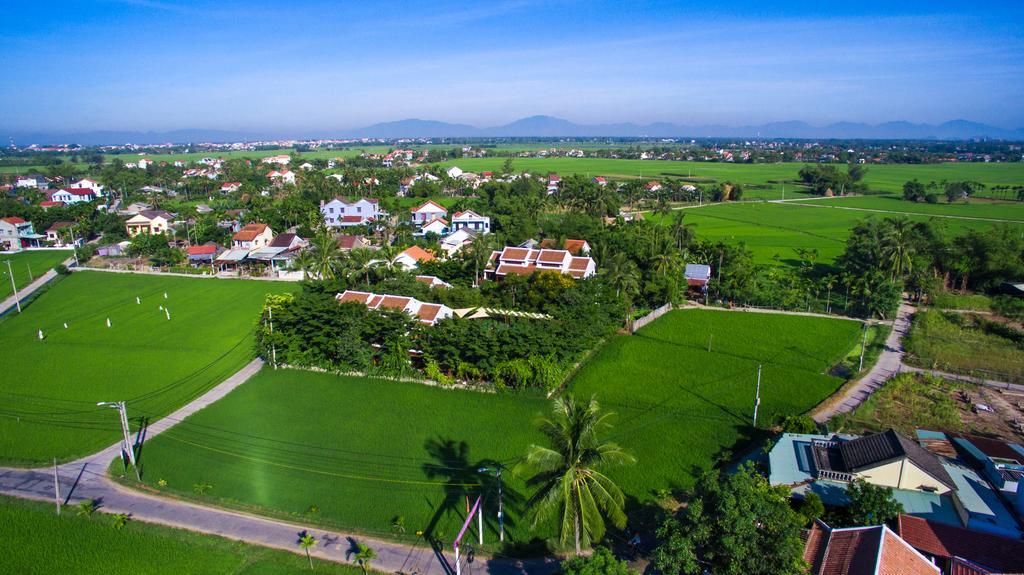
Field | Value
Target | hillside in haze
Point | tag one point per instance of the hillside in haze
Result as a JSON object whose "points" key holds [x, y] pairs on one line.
{"points": [[550, 127]]}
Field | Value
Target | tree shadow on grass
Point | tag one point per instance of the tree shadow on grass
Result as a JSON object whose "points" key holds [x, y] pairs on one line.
{"points": [[462, 482]]}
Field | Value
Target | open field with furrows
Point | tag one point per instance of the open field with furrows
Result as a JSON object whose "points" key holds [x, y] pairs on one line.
{"points": [[884, 205], [364, 451], [773, 231], [880, 178], [26, 266], [50, 388], [36, 540], [680, 405]]}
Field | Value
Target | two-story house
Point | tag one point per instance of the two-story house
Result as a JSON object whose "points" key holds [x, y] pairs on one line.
{"points": [[149, 222], [339, 214], [471, 220], [33, 181], [16, 233], [427, 212], [72, 195], [252, 237]]}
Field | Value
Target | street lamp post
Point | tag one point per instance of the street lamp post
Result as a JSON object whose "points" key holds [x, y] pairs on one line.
{"points": [[501, 510]]}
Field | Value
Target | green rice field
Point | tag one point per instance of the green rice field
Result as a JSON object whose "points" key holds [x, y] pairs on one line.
{"points": [[364, 451], [36, 540], [50, 387], [26, 266]]}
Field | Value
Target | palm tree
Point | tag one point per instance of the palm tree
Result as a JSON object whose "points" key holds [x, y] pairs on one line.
{"points": [[307, 542], [622, 274], [364, 554], [360, 259], [480, 252], [327, 254], [896, 250], [571, 491], [306, 262], [680, 231]]}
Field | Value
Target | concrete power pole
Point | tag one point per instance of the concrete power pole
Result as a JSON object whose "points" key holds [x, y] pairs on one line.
{"points": [[56, 486], [126, 443], [757, 394], [17, 300]]}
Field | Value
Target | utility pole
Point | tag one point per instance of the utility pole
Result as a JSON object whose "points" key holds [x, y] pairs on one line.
{"points": [[757, 394], [126, 442], [30, 278], [863, 345], [56, 486], [501, 509], [17, 300]]}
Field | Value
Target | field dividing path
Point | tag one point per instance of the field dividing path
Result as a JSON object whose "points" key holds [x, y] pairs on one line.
{"points": [[87, 479], [889, 363]]}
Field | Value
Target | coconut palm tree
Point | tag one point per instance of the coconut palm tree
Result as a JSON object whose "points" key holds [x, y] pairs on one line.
{"points": [[480, 251], [623, 274], [307, 542], [572, 492], [359, 261], [896, 249], [364, 555], [680, 231], [306, 262], [327, 254]]}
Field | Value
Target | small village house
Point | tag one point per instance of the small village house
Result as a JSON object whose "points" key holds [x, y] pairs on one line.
{"points": [[471, 220], [426, 313], [430, 210], [149, 222], [252, 237], [411, 258], [17, 233], [338, 213]]}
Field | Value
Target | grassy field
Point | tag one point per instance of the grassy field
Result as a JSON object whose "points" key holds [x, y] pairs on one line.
{"points": [[363, 451], [680, 405], [775, 230], [36, 540], [882, 178], [964, 344], [948, 300], [984, 209], [27, 265], [50, 387]]}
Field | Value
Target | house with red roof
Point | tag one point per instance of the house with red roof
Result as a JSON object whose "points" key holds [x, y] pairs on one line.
{"points": [[252, 237], [600, 180], [339, 213], [281, 159], [412, 257], [875, 550], [426, 313], [204, 254], [574, 247], [430, 210], [72, 195], [525, 261], [17, 233], [959, 551], [228, 187], [471, 220]]}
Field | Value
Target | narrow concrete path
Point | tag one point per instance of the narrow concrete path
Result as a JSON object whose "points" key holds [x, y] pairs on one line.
{"points": [[889, 363], [697, 305], [24, 292], [86, 479]]}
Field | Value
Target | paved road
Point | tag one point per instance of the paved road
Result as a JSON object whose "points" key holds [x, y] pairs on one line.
{"points": [[889, 363], [87, 479]]}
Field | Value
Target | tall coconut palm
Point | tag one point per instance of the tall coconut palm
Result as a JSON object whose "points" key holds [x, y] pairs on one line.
{"points": [[896, 249], [306, 262], [479, 252], [622, 274], [326, 253], [359, 261], [680, 231], [572, 491]]}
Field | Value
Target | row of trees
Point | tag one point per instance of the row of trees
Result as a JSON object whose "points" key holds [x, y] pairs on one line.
{"points": [[915, 191]]}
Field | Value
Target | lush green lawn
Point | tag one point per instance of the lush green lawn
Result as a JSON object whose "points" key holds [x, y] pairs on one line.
{"points": [[364, 451], [680, 405], [50, 388], [26, 266], [36, 540], [361, 450]]}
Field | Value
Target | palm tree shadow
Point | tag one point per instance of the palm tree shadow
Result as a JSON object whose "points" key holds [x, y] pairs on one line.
{"points": [[463, 482]]}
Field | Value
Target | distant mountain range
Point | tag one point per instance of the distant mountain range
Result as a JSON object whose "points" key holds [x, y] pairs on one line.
{"points": [[549, 127]]}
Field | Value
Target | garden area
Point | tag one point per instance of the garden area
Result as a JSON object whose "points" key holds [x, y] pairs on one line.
{"points": [[51, 385], [969, 344], [36, 540], [905, 403]]}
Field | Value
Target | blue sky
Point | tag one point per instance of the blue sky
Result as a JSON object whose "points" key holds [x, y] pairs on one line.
{"points": [[319, 66]]}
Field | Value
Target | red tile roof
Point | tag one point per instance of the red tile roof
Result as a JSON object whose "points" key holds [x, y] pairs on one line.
{"points": [[505, 269], [349, 242], [13, 220], [428, 312], [940, 540], [861, 551], [394, 302], [552, 256], [353, 296], [430, 204], [202, 250], [575, 247], [515, 254], [417, 253]]}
